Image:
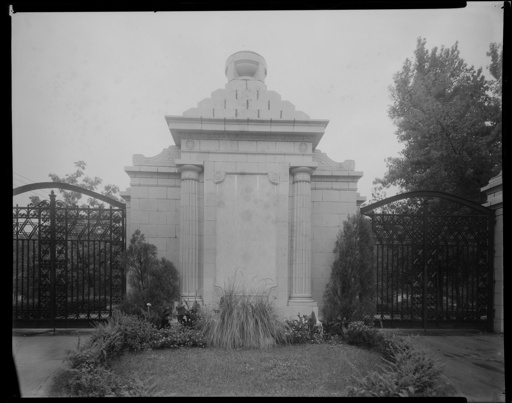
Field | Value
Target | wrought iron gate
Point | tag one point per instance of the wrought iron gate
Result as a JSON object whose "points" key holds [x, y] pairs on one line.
{"points": [[434, 268], [67, 269]]}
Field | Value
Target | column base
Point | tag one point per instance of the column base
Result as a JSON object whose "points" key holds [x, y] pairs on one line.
{"points": [[301, 306], [190, 299]]}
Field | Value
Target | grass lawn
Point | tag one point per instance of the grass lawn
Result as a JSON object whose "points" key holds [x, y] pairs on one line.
{"points": [[296, 370]]}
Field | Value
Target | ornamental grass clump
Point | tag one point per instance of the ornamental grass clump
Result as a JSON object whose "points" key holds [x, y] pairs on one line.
{"points": [[243, 318]]}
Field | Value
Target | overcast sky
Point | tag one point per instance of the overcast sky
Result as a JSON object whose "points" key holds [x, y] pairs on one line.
{"points": [[96, 86]]}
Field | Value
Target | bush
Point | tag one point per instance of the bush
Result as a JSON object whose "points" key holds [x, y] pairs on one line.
{"points": [[178, 336], [101, 382], [361, 335], [90, 375], [120, 333], [350, 293], [243, 319], [407, 371], [297, 333], [151, 280]]}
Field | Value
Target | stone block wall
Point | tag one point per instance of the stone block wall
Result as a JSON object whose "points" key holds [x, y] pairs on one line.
{"points": [[155, 196], [153, 204]]}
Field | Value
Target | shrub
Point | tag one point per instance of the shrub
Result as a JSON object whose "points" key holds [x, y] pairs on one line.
{"points": [[178, 336], [298, 332], [350, 293], [151, 280], [90, 375], [243, 319], [101, 382], [121, 332], [359, 334], [407, 371]]}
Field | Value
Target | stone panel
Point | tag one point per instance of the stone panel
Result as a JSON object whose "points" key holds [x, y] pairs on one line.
{"points": [[247, 216]]}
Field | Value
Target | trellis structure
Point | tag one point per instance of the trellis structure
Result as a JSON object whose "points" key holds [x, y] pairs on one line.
{"points": [[67, 269], [434, 265]]}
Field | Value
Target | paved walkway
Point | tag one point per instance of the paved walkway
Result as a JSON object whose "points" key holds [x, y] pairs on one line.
{"points": [[474, 361], [39, 353]]}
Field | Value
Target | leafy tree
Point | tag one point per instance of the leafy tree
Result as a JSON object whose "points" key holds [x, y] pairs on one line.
{"points": [[151, 280], [350, 292], [78, 178], [448, 115], [396, 207]]}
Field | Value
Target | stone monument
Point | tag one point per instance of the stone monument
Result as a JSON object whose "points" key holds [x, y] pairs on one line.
{"points": [[245, 190]]}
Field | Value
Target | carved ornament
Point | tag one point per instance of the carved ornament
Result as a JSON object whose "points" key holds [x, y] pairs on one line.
{"points": [[303, 147], [219, 176], [273, 177], [190, 144], [190, 172]]}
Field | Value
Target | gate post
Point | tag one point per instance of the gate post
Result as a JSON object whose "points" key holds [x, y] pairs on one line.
{"points": [[425, 263], [494, 192], [52, 259]]}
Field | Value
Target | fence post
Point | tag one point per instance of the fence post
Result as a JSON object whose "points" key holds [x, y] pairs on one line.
{"points": [[494, 192], [52, 260], [425, 262]]}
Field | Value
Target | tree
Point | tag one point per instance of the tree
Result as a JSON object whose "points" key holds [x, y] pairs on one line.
{"points": [[77, 178], [350, 292], [448, 115], [151, 280]]}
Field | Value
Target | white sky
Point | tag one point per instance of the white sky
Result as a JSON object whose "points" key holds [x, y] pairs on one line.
{"points": [[96, 86]]}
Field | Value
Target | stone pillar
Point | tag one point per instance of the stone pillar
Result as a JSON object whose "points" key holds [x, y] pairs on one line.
{"points": [[300, 294], [189, 232], [494, 191]]}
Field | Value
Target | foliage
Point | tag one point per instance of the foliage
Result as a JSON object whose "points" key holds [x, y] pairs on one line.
{"points": [[193, 317], [243, 318], [410, 373], [90, 363], [297, 332], [448, 115], [407, 371], [102, 382], [178, 336], [152, 280], [77, 178], [361, 335], [350, 293], [407, 206]]}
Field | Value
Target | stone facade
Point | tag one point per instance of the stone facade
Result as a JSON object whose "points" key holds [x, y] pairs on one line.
{"points": [[494, 191], [245, 190]]}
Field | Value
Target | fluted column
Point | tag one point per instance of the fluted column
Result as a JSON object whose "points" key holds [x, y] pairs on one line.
{"points": [[301, 252], [189, 232]]}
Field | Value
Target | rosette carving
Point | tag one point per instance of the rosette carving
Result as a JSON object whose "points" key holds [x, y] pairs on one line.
{"points": [[219, 176], [273, 177]]}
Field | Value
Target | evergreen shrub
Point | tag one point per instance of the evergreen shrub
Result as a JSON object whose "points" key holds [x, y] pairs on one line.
{"points": [[406, 371], [350, 293], [151, 280]]}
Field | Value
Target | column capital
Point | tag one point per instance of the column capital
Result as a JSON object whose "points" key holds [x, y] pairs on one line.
{"points": [[190, 171], [302, 174]]}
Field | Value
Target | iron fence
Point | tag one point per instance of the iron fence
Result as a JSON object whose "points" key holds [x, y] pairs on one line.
{"points": [[434, 269], [67, 268]]}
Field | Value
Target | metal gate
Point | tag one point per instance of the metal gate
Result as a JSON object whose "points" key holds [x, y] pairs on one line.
{"points": [[434, 266], [67, 269]]}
